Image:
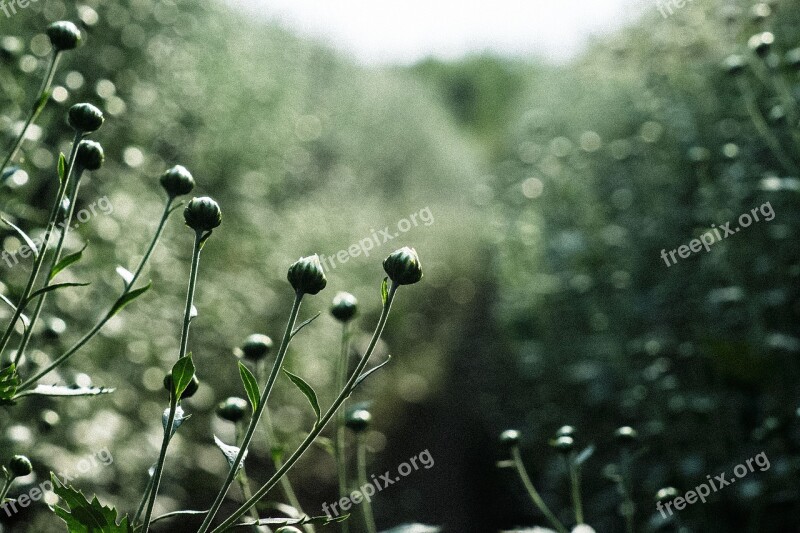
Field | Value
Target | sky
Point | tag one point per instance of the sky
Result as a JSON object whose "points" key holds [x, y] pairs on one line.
{"points": [[390, 31]]}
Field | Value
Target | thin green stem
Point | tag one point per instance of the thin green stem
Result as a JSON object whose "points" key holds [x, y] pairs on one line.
{"points": [[6, 487], [319, 427], [341, 432], [244, 482], [143, 501], [575, 482], [108, 315], [366, 505], [534, 495], [262, 404], [174, 400], [36, 109], [37, 264]]}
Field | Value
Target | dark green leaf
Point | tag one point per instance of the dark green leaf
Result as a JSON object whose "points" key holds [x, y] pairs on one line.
{"points": [[51, 288], [67, 261], [182, 374], [385, 290], [9, 381], [85, 517], [250, 385], [62, 166], [56, 390], [127, 298], [366, 374], [28, 241], [230, 452], [307, 391]]}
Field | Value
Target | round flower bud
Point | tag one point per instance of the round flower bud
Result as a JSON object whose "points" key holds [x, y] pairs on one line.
{"points": [[761, 43], [85, 118], [306, 275], [288, 529], [358, 420], [64, 35], [256, 347], [793, 58], [202, 214], [344, 306], [190, 389], [666, 494], [510, 438], [90, 155], [565, 431], [20, 466], [626, 434], [403, 266], [177, 181], [232, 409], [564, 444]]}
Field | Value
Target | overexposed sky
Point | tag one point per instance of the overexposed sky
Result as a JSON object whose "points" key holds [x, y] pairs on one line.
{"points": [[389, 31]]}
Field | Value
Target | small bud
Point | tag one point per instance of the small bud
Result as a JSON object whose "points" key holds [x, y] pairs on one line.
{"points": [[344, 306], [90, 155], [566, 431], [761, 43], [563, 444], [202, 214], [358, 420], [626, 434], [190, 389], [256, 347], [20, 466], [232, 409], [403, 266], [666, 494], [734, 65], [177, 181], [64, 35], [306, 275], [510, 438], [85, 118]]}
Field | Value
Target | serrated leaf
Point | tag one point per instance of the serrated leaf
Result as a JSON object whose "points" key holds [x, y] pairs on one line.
{"points": [[125, 274], [85, 517], [51, 288], [62, 166], [58, 390], [385, 290], [230, 452], [307, 391], [182, 374], [9, 381], [180, 418], [369, 372], [250, 385], [304, 324], [67, 261], [127, 298], [28, 241], [584, 455]]}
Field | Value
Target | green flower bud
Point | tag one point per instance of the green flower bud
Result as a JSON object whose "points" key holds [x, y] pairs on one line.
{"points": [[256, 347], [90, 155], [344, 306], [761, 43], [358, 420], [510, 438], [191, 389], [177, 181], [626, 434], [563, 444], [20, 466], [306, 275], [666, 494], [232, 409], [403, 266], [734, 65], [566, 431], [288, 529], [202, 214], [85, 118], [64, 35]]}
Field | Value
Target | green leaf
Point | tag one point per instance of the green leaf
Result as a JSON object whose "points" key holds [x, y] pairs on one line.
{"points": [[230, 452], [250, 385], [67, 261], [62, 167], [306, 389], [182, 374], [385, 290], [28, 241], [365, 375], [57, 390], [85, 517], [51, 288], [127, 298], [9, 381]]}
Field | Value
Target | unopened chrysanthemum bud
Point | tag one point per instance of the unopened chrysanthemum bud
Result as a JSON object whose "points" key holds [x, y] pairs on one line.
{"points": [[358, 420], [307, 276], [232, 409], [20, 466], [626, 434], [64, 35], [90, 155], [510, 438], [565, 431], [177, 181], [761, 43], [288, 529], [202, 214], [666, 494], [344, 306], [85, 118], [403, 266], [734, 65], [256, 347], [563, 444], [190, 390]]}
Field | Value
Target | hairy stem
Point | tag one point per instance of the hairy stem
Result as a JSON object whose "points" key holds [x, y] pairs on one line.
{"points": [[532, 492]]}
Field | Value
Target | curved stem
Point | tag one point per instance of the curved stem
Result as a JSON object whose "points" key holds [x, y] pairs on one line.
{"points": [[341, 432], [534, 495], [369, 518], [107, 316], [309, 440], [36, 109], [37, 264], [173, 402], [262, 404]]}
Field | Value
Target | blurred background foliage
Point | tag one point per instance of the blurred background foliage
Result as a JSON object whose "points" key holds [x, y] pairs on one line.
{"points": [[545, 300]]}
